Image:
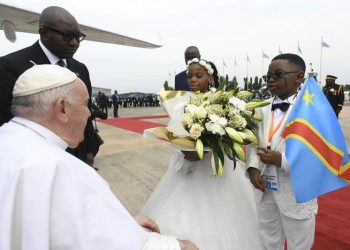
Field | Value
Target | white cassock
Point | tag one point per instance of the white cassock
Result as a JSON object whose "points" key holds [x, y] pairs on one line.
{"points": [[51, 200]]}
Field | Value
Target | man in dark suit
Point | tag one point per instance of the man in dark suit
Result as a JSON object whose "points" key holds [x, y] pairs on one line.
{"points": [[181, 78], [334, 93], [115, 102], [60, 38]]}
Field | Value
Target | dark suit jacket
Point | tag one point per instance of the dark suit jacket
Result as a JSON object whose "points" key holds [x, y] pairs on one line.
{"points": [[14, 64], [181, 81]]}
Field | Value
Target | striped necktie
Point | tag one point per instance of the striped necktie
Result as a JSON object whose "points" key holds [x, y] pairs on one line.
{"points": [[61, 63]]}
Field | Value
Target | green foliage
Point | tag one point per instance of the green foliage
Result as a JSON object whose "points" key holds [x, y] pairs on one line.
{"points": [[167, 87], [245, 79], [234, 81]]}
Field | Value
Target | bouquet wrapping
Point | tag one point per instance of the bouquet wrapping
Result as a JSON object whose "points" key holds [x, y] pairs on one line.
{"points": [[218, 121]]}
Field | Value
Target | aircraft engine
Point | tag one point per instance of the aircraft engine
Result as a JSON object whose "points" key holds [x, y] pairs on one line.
{"points": [[9, 30]]}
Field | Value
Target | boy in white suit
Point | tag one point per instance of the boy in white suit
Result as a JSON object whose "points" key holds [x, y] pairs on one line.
{"points": [[280, 217]]}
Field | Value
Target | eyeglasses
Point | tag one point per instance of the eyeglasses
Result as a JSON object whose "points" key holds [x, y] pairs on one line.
{"points": [[67, 36], [277, 75]]}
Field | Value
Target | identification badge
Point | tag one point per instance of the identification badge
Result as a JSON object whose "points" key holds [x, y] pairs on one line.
{"points": [[269, 176]]}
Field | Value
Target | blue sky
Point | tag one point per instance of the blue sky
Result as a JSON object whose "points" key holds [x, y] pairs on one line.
{"points": [[222, 31]]}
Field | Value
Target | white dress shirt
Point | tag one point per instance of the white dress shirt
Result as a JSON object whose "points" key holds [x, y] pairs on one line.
{"points": [[52, 58]]}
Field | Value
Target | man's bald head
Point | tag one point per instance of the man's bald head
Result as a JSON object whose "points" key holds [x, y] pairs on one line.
{"points": [[53, 15], [191, 52], [55, 24]]}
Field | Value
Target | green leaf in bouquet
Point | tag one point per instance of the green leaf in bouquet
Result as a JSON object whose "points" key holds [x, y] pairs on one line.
{"points": [[234, 163], [227, 145], [221, 155], [239, 151], [199, 148], [216, 163]]}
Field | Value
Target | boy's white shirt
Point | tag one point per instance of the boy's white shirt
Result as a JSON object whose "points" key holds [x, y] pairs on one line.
{"points": [[285, 196]]}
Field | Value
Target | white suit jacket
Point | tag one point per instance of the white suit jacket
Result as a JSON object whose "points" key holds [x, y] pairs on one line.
{"points": [[284, 196]]}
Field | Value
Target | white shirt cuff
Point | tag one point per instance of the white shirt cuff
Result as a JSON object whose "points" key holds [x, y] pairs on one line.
{"points": [[156, 241]]}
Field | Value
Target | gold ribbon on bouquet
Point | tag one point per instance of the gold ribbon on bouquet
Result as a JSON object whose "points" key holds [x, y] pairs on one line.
{"points": [[169, 94], [163, 133]]}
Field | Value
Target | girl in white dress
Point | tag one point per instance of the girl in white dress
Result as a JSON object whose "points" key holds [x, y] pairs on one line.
{"points": [[216, 213]]}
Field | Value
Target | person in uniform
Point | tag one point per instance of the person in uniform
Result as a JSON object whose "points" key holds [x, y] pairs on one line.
{"points": [[334, 93]]}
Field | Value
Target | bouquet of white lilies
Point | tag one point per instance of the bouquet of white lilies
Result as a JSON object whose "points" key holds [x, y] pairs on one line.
{"points": [[218, 120]]}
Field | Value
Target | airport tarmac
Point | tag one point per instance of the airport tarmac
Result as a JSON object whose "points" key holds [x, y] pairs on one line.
{"points": [[133, 165]]}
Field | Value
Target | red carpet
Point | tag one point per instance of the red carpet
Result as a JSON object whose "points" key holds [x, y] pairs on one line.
{"points": [[333, 218], [333, 221], [135, 124]]}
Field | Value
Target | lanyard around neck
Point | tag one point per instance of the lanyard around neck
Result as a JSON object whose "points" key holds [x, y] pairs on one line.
{"points": [[272, 129]]}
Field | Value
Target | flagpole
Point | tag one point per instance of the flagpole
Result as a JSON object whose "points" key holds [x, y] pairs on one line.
{"points": [[235, 68], [223, 69], [247, 66], [262, 63], [320, 82], [298, 49]]}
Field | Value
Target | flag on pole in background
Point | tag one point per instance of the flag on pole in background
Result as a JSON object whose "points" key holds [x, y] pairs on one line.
{"points": [[324, 44], [315, 145], [235, 62], [169, 74], [248, 60], [223, 63], [264, 55], [279, 50], [299, 50]]}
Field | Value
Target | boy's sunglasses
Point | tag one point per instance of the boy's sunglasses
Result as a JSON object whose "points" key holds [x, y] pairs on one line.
{"points": [[277, 75]]}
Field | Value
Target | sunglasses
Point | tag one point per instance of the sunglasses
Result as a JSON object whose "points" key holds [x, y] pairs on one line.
{"points": [[67, 36], [277, 75]]}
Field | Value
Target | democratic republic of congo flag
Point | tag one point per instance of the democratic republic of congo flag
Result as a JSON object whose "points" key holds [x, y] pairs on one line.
{"points": [[315, 145]]}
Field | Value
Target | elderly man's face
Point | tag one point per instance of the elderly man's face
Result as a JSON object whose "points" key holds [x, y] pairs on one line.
{"points": [[78, 113]]}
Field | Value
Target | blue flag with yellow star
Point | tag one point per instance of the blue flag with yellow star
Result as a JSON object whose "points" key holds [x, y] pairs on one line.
{"points": [[315, 145]]}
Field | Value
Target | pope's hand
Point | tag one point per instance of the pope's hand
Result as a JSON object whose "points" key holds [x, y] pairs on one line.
{"points": [[187, 245], [147, 223]]}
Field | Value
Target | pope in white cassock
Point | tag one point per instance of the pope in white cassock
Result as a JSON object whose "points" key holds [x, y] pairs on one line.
{"points": [[50, 199]]}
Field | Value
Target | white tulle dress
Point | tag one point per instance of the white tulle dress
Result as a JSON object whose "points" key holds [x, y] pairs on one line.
{"points": [[216, 213]]}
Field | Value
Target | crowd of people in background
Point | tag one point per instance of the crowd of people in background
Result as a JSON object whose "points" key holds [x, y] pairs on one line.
{"points": [[103, 102]]}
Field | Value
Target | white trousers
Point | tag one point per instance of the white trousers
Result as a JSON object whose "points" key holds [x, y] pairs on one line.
{"points": [[274, 228]]}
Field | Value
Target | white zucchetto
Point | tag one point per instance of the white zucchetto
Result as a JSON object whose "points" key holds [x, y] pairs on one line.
{"points": [[42, 77]]}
